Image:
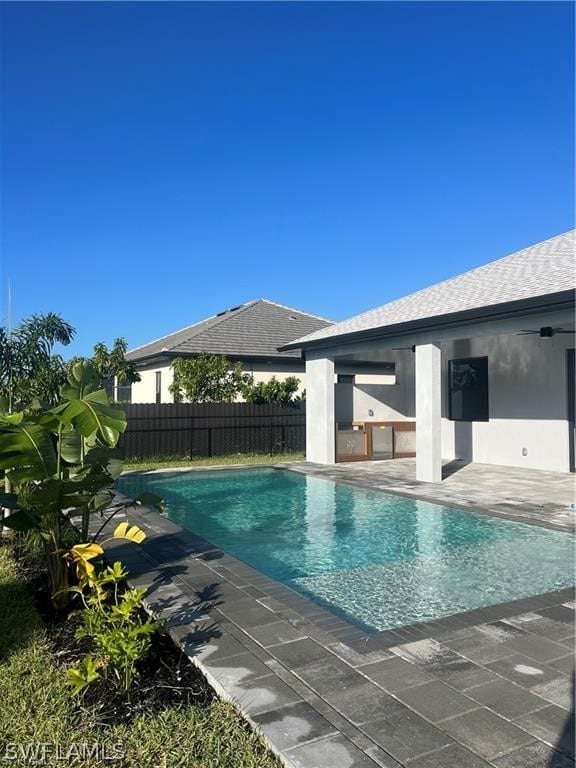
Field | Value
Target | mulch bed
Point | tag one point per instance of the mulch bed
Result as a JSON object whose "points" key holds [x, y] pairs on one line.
{"points": [[167, 678]]}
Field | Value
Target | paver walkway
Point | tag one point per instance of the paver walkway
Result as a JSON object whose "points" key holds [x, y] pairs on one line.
{"points": [[495, 692]]}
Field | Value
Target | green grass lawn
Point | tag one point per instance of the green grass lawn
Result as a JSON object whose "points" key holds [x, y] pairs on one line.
{"points": [[164, 462], [36, 707]]}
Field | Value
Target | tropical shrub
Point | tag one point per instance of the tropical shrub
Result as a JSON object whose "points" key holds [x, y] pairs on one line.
{"points": [[272, 391], [208, 379], [113, 619], [60, 464]]}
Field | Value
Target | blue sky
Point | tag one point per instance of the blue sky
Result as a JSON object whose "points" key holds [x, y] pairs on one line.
{"points": [[164, 161]]}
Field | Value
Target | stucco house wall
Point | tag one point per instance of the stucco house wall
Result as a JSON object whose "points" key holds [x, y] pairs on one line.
{"points": [[144, 391], [528, 401]]}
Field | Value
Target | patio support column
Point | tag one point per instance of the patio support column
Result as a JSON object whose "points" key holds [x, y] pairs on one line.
{"points": [[320, 420], [428, 413]]}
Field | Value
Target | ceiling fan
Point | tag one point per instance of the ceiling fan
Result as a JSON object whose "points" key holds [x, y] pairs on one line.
{"points": [[546, 332]]}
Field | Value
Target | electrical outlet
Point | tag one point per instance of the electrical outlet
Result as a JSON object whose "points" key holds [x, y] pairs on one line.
{"points": [[524, 451]]}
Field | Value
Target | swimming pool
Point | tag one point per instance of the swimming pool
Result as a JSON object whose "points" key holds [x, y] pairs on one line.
{"points": [[377, 559]]}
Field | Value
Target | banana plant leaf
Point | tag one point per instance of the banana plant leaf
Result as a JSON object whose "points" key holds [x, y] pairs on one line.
{"points": [[53, 495], [11, 418], [22, 520], [71, 445], [91, 487], [109, 458], [82, 380], [101, 500], [85, 406], [45, 495], [92, 415], [8, 500], [26, 451], [76, 449]]}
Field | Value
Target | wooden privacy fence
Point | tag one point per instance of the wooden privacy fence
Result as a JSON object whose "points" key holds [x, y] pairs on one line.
{"points": [[212, 429]]}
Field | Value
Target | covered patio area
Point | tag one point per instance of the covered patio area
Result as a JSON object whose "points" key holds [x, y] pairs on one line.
{"points": [[483, 371], [492, 392]]}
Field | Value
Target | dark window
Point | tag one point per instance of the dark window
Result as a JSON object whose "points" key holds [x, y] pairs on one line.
{"points": [[158, 387], [124, 393], [345, 378], [468, 389]]}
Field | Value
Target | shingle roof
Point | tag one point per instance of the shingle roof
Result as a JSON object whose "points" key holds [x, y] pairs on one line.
{"points": [[545, 268], [255, 329]]}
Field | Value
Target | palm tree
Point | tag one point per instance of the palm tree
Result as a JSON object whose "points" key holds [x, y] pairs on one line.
{"points": [[111, 365], [28, 369]]}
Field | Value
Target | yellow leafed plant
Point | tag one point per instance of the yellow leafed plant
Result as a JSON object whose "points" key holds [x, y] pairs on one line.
{"points": [[80, 555], [113, 618], [129, 532]]}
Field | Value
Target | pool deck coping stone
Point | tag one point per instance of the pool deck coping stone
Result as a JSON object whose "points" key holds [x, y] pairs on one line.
{"points": [[176, 565]]}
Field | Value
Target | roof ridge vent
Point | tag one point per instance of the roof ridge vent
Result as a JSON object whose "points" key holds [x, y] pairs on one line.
{"points": [[231, 309]]}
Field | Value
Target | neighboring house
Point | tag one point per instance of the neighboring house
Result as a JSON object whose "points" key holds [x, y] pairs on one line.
{"points": [[249, 333], [484, 367]]}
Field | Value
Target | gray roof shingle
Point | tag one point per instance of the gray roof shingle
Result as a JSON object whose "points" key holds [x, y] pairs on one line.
{"points": [[255, 329], [545, 268]]}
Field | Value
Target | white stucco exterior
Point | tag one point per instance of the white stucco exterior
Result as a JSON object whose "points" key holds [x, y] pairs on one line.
{"points": [[320, 395], [428, 388], [144, 391], [528, 399]]}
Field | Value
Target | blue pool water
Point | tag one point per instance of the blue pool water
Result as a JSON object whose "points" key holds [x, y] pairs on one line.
{"points": [[380, 560]]}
